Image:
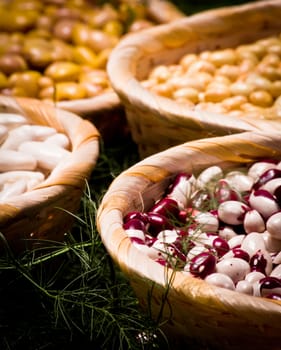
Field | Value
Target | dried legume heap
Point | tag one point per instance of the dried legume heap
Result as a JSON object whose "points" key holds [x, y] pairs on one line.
{"points": [[28, 154], [232, 81], [58, 49], [223, 226]]}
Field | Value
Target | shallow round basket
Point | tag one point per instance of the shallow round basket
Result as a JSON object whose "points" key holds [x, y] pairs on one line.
{"points": [[106, 110], [157, 122], [45, 212], [189, 310]]}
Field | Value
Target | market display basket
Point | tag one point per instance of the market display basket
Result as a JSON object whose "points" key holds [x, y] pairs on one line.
{"points": [[47, 211], [106, 111], [189, 309], [57, 51], [158, 122]]}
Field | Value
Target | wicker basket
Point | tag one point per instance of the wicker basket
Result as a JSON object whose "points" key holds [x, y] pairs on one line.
{"points": [[215, 317], [43, 213], [106, 110], [158, 122]]}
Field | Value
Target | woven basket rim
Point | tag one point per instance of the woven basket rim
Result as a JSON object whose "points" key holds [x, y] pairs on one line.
{"points": [[114, 207], [122, 68]]}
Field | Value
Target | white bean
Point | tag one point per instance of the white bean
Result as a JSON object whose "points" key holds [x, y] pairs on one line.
{"points": [[232, 212], [276, 272], [60, 140], [220, 280], [207, 221], [209, 175], [236, 241], [271, 185], [244, 287], [265, 204], [13, 189], [235, 268], [253, 222], [272, 244], [11, 120], [47, 155], [256, 169], [239, 181], [273, 225], [16, 160], [252, 243], [12, 176], [167, 236], [25, 133]]}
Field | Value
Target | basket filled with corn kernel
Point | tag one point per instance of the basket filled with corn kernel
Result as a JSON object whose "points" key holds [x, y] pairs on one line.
{"points": [[196, 230], [46, 157], [210, 74], [57, 50]]}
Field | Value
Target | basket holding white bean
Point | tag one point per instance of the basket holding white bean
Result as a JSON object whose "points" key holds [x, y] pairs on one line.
{"points": [[28, 153], [223, 226], [231, 81]]}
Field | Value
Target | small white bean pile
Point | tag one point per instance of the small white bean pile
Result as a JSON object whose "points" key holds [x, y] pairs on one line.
{"points": [[220, 226], [28, 153], [230, 81]]}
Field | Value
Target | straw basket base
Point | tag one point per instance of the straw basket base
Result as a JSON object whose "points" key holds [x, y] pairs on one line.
{"points": [[191, 327], [37, 226]]}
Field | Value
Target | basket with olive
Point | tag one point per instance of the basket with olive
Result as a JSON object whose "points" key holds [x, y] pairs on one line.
{"points": [[57, 50]]}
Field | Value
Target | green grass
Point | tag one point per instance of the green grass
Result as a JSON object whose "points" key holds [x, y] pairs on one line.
{"points": [[70, 294]]}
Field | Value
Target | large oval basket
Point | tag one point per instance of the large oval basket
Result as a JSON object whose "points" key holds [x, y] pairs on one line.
{"points": [[158, 122], [45, 212], [192, 309]]}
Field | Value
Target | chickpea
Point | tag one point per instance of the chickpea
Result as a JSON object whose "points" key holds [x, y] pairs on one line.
{"points": [[222, 57], [10, 63], [201, 66], [241, 88], [186, 60], [216, 93], [231, 72], [160, 73], [275, 90], [187, 93], [234, 102], [261, 98]]}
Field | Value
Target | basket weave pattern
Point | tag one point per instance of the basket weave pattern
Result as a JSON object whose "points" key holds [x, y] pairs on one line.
{"points": [[157, 122], [192, 309]]}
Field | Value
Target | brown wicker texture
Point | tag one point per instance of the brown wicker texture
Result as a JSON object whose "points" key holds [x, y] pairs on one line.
{"points": [[106, 110], [213, 316], [157, 122], [42, 212]]}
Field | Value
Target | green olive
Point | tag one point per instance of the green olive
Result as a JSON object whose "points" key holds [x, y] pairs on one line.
{"points": [[113, 27], [28, 80], [3, 81], [38, 52], [84, 55], [63, 71], [64, 91], [99, 40], [80, 34], [17, 20], [10, 63]]}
